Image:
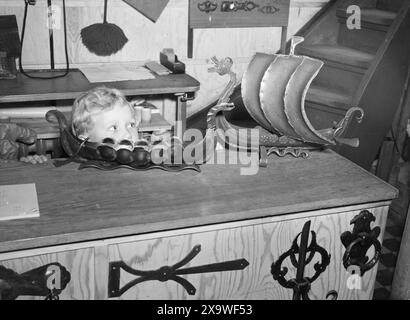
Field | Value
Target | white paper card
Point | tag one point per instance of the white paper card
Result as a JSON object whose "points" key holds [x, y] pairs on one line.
{"points": [[116, 72], [18, 202]]}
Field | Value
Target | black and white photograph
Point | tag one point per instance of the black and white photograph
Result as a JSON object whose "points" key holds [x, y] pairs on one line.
{"points": [[204, 157]]}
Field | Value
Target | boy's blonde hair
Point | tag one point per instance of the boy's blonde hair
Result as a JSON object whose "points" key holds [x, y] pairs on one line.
{"points": [[91, 103]]}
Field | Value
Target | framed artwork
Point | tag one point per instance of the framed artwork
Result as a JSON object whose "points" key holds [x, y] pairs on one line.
{"points": [[236, 14]]}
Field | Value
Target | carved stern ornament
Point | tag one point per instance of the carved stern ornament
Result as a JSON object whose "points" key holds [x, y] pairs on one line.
{"points": [[359, 241], [300, 256]]}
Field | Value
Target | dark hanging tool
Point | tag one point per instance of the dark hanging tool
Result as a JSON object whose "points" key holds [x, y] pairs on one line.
{"points": [[35, 282], [167, 273], [59, 73], [300, 257], [103, 39], [358, 242]]}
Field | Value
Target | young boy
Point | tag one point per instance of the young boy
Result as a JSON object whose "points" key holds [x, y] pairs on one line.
{"points": [[96, 115], [104, 113]]}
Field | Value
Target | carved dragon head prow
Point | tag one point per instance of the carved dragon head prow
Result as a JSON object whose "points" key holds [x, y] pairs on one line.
{"points": [[221, 67]]}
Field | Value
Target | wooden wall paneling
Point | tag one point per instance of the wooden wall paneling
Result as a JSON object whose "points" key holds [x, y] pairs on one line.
{"points": [[80, 264], [147, 39]]}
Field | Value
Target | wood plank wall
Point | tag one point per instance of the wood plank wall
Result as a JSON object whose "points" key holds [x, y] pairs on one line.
{"points": [[147, 39]]}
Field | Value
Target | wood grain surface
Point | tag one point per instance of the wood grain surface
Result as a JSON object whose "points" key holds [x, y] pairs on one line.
{"points": [[70, 87], [260, 245], [88, 205], [80, 264]]}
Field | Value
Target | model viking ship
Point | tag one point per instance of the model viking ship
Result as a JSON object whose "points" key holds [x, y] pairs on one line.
{"points": [[274, 89]]}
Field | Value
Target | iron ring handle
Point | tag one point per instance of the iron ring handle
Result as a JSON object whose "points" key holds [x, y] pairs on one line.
{"points": [[367, 266]]}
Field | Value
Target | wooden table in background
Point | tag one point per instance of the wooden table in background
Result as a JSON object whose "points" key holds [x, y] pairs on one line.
{"points": [[24, 89]]}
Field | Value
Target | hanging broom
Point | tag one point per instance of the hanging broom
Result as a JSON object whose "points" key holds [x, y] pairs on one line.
{"points": [[103, 39]]}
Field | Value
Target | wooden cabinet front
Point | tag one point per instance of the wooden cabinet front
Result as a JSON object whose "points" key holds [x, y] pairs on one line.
{"points": [[260, 245], [222, 261], [79, 263]]}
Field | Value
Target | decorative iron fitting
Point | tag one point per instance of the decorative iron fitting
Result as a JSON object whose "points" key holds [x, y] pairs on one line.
{"points": [[300, 256], [47, 281], [207, 6], [294, 152], [233, 6], [358, 242], [268, 9], [167, 273]]}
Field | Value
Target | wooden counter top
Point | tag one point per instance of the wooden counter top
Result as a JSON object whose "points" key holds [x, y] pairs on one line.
{"points": [[70, 87], [90, 204]]}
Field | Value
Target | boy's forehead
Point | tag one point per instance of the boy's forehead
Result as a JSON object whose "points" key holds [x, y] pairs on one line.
{"points": [[125, 105], [120, 109]]}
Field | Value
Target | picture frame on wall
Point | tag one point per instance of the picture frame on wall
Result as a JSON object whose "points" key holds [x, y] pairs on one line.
{"points": [[208, 14]]}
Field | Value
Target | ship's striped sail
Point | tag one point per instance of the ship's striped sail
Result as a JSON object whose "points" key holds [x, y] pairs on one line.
{"points": [[272, 93], [251, 83], [295, 96], [274, 89]]}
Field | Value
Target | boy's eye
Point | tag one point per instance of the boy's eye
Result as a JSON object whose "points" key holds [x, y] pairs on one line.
{"points": [[132, 125], [113, 128]]}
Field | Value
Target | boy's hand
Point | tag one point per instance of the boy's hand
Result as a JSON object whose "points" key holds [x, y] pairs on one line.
{"points": [[10, 136], [36, 159]]}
